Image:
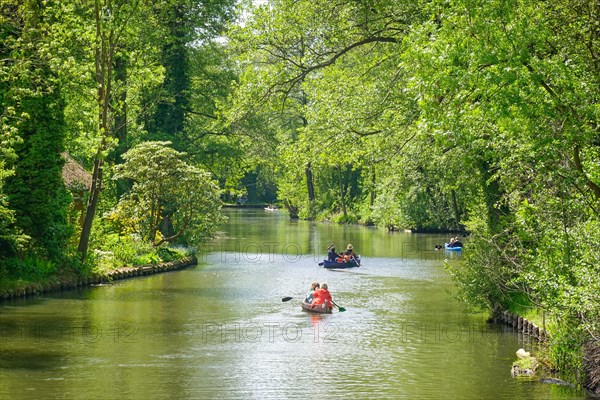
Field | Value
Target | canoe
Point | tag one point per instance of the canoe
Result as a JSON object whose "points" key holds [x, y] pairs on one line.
{"points": [[320, 308], [447, 247], [343, 264]]}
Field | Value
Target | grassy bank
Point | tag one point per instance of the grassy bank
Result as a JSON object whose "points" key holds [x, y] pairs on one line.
{"points": [[21, 277], [12, 289]]}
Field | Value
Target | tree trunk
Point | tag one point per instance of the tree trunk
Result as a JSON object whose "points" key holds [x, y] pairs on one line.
{"points": [[292, 210], [492, 194], [310, 186], [103, 52], [120, 125], [373, 185], [90, 211], [121, 112], [342, 191], [455, 207]]}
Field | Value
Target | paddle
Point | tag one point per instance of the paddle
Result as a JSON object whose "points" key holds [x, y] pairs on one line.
{"points": [[356, 260], [286, 299], [342, 309]]}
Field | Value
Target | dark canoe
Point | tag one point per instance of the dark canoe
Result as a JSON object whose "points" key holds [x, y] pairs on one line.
{"points": [[343, 264], [320, 309], [447, 247]]}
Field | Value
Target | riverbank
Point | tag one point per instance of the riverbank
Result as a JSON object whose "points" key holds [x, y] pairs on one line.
{"points": [[57, 284], [590, 367], [245, 205], [521, 325]]}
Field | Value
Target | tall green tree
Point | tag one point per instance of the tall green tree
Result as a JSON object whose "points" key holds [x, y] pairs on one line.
{"points": [[185, 24], [117, 26], [170, 199], [9, 34], [36, 191], [210, 142], [516, 91], [334, 60], [108, 20]]}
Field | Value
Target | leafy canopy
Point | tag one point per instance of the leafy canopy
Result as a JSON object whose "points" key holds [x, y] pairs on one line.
{"points": [[169, 198]]}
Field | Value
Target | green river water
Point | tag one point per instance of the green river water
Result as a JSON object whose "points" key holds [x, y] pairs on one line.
{"points": [[219, 330]]}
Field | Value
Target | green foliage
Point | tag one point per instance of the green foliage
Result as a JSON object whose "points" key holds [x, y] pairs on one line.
{"points": [[345, 219], [30, 268], [34, 104], [169, 199], [144, 259], [166, 254], [482, 277], [182, 107], [526, 363], [49, 93], [114, 250], [12, 239], [122, 250], [333, 83], [518, 303], [429, 115], [565, 351]]}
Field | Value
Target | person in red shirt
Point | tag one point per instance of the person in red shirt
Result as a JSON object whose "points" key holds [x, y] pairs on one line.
{"points": [[322, 296]]}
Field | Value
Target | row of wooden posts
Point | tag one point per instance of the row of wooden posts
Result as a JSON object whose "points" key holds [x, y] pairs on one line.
{"points": [[523, 325]]}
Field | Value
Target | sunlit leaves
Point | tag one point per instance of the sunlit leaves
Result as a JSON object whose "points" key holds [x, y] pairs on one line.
{"points": [[166, 190]]}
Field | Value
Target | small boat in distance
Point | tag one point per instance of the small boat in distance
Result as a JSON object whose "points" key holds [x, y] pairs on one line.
{"points": [[452, 248], [354, 262], [319, 308], [271, 208]]}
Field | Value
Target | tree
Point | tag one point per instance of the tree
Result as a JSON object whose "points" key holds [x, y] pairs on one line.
{"points": [[331, 68], [117, 25], [33, 97], [515, 89], [186, 24], [9, 28], [166, 187]]}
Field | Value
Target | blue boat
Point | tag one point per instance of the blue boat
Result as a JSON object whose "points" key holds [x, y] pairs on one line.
{"points": [[355, 262], [447, 247]]}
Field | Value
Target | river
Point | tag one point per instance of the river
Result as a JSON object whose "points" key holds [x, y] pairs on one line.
{"points": [[219, 330]]}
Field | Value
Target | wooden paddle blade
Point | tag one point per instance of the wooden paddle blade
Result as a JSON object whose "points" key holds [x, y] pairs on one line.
{"points": [[286, 299]]}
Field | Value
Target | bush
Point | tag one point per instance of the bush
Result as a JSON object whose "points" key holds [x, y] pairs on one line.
{"points": [[482, 277], [565, 349], [30, 268], [166, 254], [345, 219], [144, 259], [124, 249]]}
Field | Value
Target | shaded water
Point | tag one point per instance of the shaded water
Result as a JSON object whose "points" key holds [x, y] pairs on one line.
{"points": [[220, 329]]}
